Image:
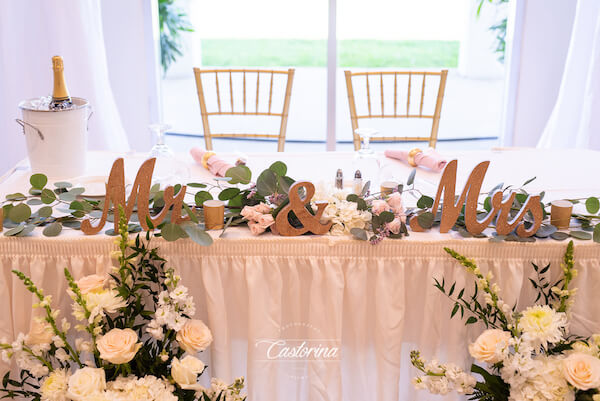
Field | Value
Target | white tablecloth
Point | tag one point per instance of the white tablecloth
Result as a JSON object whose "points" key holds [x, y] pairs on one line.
{"points": [[375, 303]]}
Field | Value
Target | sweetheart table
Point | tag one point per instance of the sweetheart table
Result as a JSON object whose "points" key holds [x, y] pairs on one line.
{"points": [[371, 304]]}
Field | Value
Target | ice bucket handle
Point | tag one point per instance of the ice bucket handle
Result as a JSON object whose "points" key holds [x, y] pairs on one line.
{"points": [[24, 123]]}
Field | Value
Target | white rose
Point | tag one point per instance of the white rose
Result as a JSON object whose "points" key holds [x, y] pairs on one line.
{"points": [[54, 387], [40, 333], [185, 372], [118, 346], [194, 336], [85, 382], [91, 283], [484, 348], [582, 371], [337, 229]]}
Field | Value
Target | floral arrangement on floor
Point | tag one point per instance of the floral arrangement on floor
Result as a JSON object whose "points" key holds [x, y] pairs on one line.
{"points": [[522, 355], [135, 338]]}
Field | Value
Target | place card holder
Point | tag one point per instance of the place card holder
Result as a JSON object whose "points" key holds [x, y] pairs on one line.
{"points": [[560, 213], [214, 214]]}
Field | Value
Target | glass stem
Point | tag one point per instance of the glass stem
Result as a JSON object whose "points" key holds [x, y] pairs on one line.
{"points": [[366, 140], [160, 137]]}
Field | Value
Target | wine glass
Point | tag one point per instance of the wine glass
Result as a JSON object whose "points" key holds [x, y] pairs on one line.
{"points": [[366, 160], [168, 170]]}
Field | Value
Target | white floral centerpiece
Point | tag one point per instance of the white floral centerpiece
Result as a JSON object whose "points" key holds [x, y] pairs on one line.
{"points": [[135, 338], [344, 214], [522, 355]]}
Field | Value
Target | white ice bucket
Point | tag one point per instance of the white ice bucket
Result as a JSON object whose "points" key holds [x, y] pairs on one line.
{"points": [[56, 140]]}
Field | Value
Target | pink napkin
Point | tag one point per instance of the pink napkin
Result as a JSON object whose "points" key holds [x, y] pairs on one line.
{"points": [[428, 158], [216, 165]]}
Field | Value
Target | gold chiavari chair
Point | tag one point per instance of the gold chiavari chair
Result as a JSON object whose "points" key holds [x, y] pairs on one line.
{"points": [[412, 76], [246, 74]]}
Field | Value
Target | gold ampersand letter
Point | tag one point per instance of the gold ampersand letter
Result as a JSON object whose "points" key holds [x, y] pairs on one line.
{"points": [[309, 222]]}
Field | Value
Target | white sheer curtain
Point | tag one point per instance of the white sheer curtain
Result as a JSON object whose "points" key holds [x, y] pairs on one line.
{"points": [[575, 120], [31, 32]]}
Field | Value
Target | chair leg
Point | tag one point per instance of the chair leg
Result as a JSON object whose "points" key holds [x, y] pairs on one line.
{"points": [[208, 141]]}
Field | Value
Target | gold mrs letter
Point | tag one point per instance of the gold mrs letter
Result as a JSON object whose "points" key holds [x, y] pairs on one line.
{"points": [[451, 209]]}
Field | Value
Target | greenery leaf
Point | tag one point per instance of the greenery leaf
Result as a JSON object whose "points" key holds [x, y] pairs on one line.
{"points": [[239, 175], [359, 233], [14, 231], [582, 235], [172, 232], [487, 204], [279, 168], [425, 220], [545, 231], [266, 184], [228, 193], [202, 196], [48, 196], [559, 236], [195, 185], [411, 177], [471, 320], [597, 233], [425, 202], [63, 184], [528, 181], [592, 204], [45, 211], [19, 213], [285, 183], [53, 229], [196, 234], [386, 217], [38, 181], [17, 196]]}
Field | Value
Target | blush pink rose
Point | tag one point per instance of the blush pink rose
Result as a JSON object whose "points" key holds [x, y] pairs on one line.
{"points": [[250, 213], [255, 228], [266, 220], [395, 202], [91, 283], [394, 225], [262, 208], [379, 206]]}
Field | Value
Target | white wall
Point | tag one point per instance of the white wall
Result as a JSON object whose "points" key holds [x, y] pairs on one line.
{"points": [[132, 66], [536, 62]]}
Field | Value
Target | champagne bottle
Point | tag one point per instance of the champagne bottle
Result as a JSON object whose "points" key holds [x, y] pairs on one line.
{"points": [[60, 95]]}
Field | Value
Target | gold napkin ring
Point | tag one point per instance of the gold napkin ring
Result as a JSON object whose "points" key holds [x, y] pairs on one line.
{"points": [[411, 156], [205, 158]]}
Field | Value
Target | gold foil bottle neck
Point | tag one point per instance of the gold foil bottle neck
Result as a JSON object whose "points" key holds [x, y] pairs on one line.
{"points": [[57, 63], [60, 93]]}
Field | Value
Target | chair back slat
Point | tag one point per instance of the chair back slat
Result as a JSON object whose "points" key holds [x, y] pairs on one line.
{"points": [[244, 79], [270, 91], [422, 96], [246, 109], [257, 91], [368, 94], [408, 96], [395, 94], [218, 94], [422, 114], [230, 91]]}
